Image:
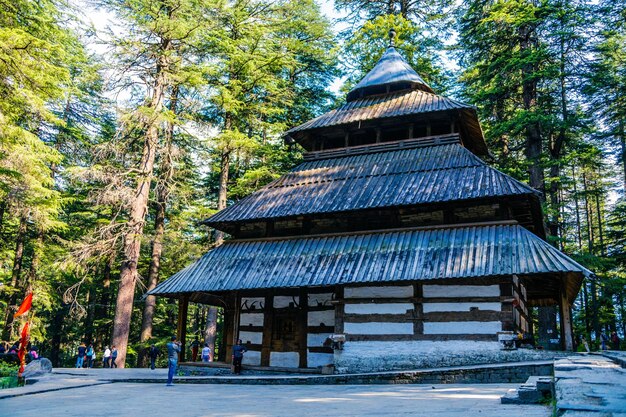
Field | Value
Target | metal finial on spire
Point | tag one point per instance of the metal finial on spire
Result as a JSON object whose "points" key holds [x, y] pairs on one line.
{"points": [[392, 36]]}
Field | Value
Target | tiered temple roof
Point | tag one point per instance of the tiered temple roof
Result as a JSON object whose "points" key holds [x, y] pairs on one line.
{"points": [[384, 176]]}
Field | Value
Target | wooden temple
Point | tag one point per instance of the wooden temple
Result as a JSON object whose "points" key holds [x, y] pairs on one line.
{"points": [[393, 229]]}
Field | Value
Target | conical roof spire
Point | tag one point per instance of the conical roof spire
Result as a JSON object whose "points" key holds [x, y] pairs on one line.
{"points": [[390, 70]]}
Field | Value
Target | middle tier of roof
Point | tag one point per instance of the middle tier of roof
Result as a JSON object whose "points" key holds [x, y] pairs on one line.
{"points": [[406, 173]]}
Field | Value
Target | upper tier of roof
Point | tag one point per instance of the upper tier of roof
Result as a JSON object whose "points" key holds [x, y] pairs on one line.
{"points": [[400, 103], [391, 95], [406, 174], [389, 70]]}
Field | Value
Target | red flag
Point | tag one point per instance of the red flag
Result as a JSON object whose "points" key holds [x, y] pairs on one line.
{"points": [[21, 354], [26, 305]]}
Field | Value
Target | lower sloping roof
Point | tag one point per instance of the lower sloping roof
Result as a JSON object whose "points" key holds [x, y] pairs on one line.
{"points": [[372, 257]]}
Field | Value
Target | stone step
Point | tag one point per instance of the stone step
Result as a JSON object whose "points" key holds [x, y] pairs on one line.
{"points": [[533, 391]]}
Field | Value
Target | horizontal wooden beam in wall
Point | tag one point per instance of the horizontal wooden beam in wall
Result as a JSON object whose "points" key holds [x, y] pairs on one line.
{"points": [[377, 300], [246, 328], [253, 347], [422, 300], [384, 318], [472, 315], [320, 349], [427, 337], [321, 329]]}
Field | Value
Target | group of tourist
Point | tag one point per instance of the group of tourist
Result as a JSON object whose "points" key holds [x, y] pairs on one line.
{"points": [[86, 356], [32, 351]]}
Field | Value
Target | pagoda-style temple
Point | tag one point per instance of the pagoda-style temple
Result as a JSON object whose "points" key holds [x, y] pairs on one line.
{"points": [[392, 233]]}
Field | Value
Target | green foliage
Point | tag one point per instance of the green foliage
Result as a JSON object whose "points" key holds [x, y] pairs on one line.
{"points": [[8, 369]]}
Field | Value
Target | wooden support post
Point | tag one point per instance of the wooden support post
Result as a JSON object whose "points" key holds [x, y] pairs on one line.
{"points": [[236, 318], [346, 139], [181, 334], [229, 317], [566, 320], [411, 128], [378, 135], [268, 323], [302, 323], [339, 310], [418, 309]]}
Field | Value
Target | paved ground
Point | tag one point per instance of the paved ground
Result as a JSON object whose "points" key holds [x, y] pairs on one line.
{"points": [[591, 385], [126, 399]]}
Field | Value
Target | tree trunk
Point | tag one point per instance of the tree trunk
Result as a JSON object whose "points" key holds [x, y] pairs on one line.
{"points": [[104, 307], [56, 329], [162, 194], [210, 333], [16, 274], [3, 207], [137, 215], [600, 230], [586, 307], [90, 315], [622, 140], [211, 325], [576, 206]]}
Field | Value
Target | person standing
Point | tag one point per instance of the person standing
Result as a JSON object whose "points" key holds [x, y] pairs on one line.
{"points": [[113, 356], [81, 355], [615, 341], [206, 353], [106, 357], [153, 352], [173, 349], [603, 340], [90, 355], [194, 349], [238, 351]]}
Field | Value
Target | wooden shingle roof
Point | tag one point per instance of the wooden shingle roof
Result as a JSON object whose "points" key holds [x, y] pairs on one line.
{"points": [[390, 69], [437, 253], [396, 104], [382, 176]]}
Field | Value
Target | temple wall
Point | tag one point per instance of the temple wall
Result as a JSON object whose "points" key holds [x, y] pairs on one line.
{"points": [[386, 326], [375, 356], [321, 324]]}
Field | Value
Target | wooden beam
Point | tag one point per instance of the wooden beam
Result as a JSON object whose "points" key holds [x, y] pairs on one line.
{"points": [[339, 311], [302, 319], [181, 333], [432, 337], [268, 320]]}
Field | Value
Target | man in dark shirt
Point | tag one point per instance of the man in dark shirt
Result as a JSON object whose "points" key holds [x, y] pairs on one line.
{"points": [[154, 352], [238, 351], [81, 355]]}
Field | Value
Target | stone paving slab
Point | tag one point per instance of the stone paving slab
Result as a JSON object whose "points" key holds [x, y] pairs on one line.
{"points": [[590, 385], [132, 400], [487, 373], [49, 384]]}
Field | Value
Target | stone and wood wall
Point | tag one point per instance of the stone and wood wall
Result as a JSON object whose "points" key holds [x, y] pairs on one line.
{"points": [[290, 327]]}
